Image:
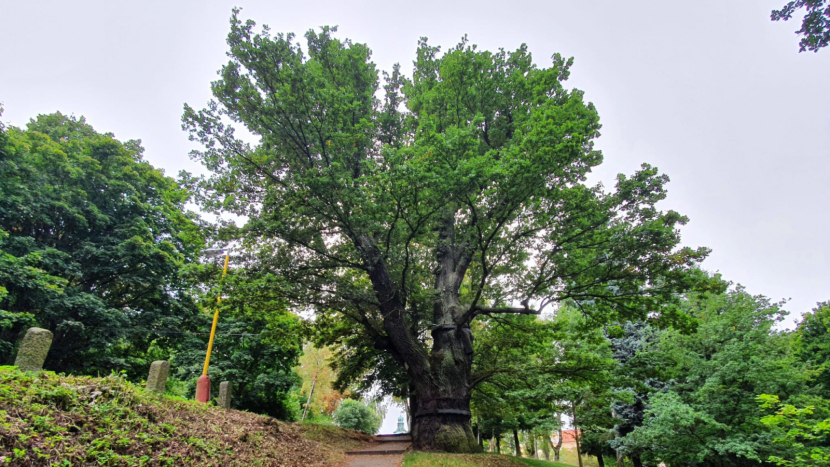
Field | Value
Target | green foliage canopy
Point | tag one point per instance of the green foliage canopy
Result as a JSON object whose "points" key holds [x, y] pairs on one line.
{"points": [[812, 345], [804, 433], [708, 414], [472, 172], [256, 356], [92, 242], [257, 345]]}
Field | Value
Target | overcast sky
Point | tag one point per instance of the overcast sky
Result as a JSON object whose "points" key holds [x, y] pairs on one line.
{"points": [[711, 92]]}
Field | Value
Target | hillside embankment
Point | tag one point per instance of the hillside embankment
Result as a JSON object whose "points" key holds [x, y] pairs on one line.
{"points": [[57, 420]]}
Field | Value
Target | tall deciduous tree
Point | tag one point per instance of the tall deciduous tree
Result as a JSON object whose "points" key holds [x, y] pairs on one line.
{"points": [[461, 194], [707, 414], [318, 376], [93, 240]]}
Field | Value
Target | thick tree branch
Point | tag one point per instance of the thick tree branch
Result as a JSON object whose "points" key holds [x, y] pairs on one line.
{"points": [[391, 307], [486, 310]]}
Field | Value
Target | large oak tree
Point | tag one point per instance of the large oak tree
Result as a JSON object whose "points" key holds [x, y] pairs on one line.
{"points": [[456, 194]]}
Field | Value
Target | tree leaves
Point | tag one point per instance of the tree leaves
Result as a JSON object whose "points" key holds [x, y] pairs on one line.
{"points": [[93, 242], [815, 27], [472, 171]]}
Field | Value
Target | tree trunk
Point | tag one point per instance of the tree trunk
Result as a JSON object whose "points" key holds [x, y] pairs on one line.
{"points": [[635, 459], [576, 435], [620, 461], [517, 443], [600, 461], [498, 444], [442, 419], [408, 413], [440, 378], [556, 453], [558, 441], [310, 393]]}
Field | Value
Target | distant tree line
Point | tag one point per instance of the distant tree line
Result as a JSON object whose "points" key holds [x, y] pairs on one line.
{"points": [[732, 389]]}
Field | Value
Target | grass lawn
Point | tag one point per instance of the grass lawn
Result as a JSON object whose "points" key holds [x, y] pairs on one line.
{"points": [[432, 459], [540, 463]]}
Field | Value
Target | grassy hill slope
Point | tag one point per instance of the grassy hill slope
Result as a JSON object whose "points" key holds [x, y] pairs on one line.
{"points": [[56, 420]]}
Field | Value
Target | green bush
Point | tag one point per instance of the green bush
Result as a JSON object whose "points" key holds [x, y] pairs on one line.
{"points": [[355, 415]]}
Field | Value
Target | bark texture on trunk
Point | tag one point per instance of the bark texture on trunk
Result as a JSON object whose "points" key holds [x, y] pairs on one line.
{"points": [[443, 432], [408, 412], [576, 434], [558, 441], [440, 378], [517, 443], [442, 420]]}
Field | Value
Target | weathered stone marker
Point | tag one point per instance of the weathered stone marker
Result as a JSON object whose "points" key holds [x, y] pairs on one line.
{"points": [[225, 394], [157, 380], [33, 349]]}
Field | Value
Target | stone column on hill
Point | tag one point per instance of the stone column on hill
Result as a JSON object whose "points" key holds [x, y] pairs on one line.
{"points": [[225, 394], [157, 379], [33, 349]]}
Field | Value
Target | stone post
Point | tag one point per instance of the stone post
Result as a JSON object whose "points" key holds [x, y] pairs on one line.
{"points": [[157, 380], [33, 349], [225, 394]]}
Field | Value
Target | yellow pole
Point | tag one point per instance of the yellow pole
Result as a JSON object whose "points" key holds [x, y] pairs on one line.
{"points": [[215, 317]]}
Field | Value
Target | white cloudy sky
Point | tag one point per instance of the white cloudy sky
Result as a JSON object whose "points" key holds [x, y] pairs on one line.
{"points": [[711, 92]]}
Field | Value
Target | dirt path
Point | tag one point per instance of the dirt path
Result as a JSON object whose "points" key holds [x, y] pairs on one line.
{"points": [[385, 451]]}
